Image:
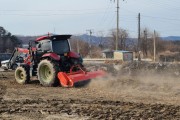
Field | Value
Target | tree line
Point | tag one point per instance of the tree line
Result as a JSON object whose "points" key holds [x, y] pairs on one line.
{"points": [[146, 44], [8, 41]]}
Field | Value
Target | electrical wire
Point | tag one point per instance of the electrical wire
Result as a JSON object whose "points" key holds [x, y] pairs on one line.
{"points": [[50, 14], [104, 17]]}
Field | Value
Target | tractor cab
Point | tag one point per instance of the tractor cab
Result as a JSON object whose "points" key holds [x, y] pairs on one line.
{"points": [[57, 44], [56, 48]]}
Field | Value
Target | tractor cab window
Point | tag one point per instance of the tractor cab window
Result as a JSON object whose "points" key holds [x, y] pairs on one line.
{"points": [[44, 46], [60, 46]]}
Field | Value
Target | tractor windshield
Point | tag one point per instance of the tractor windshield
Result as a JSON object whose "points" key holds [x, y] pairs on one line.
{"points": [[60, 46]]}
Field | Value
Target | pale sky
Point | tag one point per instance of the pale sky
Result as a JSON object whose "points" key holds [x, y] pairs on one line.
{"points": [[36, 17]]}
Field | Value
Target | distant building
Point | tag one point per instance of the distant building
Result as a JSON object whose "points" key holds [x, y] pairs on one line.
{"points": [[118, 55], [108, 53]]}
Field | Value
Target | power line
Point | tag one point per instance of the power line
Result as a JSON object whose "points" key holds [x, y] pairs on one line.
{"points": [[104, 18], [111, 23], [46, 10], [161, 18], [53, 14], [166, 5]]}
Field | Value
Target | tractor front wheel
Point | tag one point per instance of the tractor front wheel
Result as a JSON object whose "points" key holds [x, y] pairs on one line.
{"points": [[22, 75], [47, 73]]}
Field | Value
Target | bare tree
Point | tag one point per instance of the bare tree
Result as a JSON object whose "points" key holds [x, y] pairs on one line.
{"points": [[123, 35], [146, 43], [80, 46], [102, 42]]}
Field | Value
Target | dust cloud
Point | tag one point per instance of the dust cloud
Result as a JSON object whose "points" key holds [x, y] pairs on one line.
{"points": [[148, 85]]}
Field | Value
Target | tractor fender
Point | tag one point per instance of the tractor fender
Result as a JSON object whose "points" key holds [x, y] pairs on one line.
{"points": [[52, 55], [73, 55]]}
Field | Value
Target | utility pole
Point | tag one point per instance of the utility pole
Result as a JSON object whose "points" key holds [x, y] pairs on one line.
{"points": [[139, 32], [77, 45], [90, 41], [154, 45], [139, 38], [145, 42], [117, 29]]}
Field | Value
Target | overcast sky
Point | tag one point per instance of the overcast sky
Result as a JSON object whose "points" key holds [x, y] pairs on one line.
{"points": [[36, 17]]}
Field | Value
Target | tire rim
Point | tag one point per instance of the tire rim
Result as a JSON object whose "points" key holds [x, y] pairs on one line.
{"points": [[45, 73], [20, 75]]}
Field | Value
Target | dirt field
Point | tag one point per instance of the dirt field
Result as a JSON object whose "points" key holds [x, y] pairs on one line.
{"points": [[128, 92]]}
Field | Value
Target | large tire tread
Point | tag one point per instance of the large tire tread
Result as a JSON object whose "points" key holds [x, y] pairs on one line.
{"points": [[24, 71], [53, 67]]}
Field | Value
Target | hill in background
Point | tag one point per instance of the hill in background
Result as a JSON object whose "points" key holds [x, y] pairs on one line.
{"points": [[171, 38], [95, 39]]}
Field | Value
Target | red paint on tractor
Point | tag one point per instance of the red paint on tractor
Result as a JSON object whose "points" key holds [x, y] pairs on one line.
{"points": [[42, 38], [73, 54], [23, 50], [52, 55], [27, 60], [68, 79]]}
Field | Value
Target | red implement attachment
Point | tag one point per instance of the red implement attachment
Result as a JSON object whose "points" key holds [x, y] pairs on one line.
{"points": [[68, 79]]}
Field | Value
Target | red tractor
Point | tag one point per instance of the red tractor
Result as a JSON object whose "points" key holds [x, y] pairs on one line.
{"points": [[53, 62]]}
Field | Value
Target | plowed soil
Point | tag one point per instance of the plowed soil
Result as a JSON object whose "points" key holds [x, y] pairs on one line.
{"points": [[123, 95]]}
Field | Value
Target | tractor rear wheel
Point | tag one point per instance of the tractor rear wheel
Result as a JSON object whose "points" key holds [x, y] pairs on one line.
{"points": [[47, 73], [22, 75]]}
